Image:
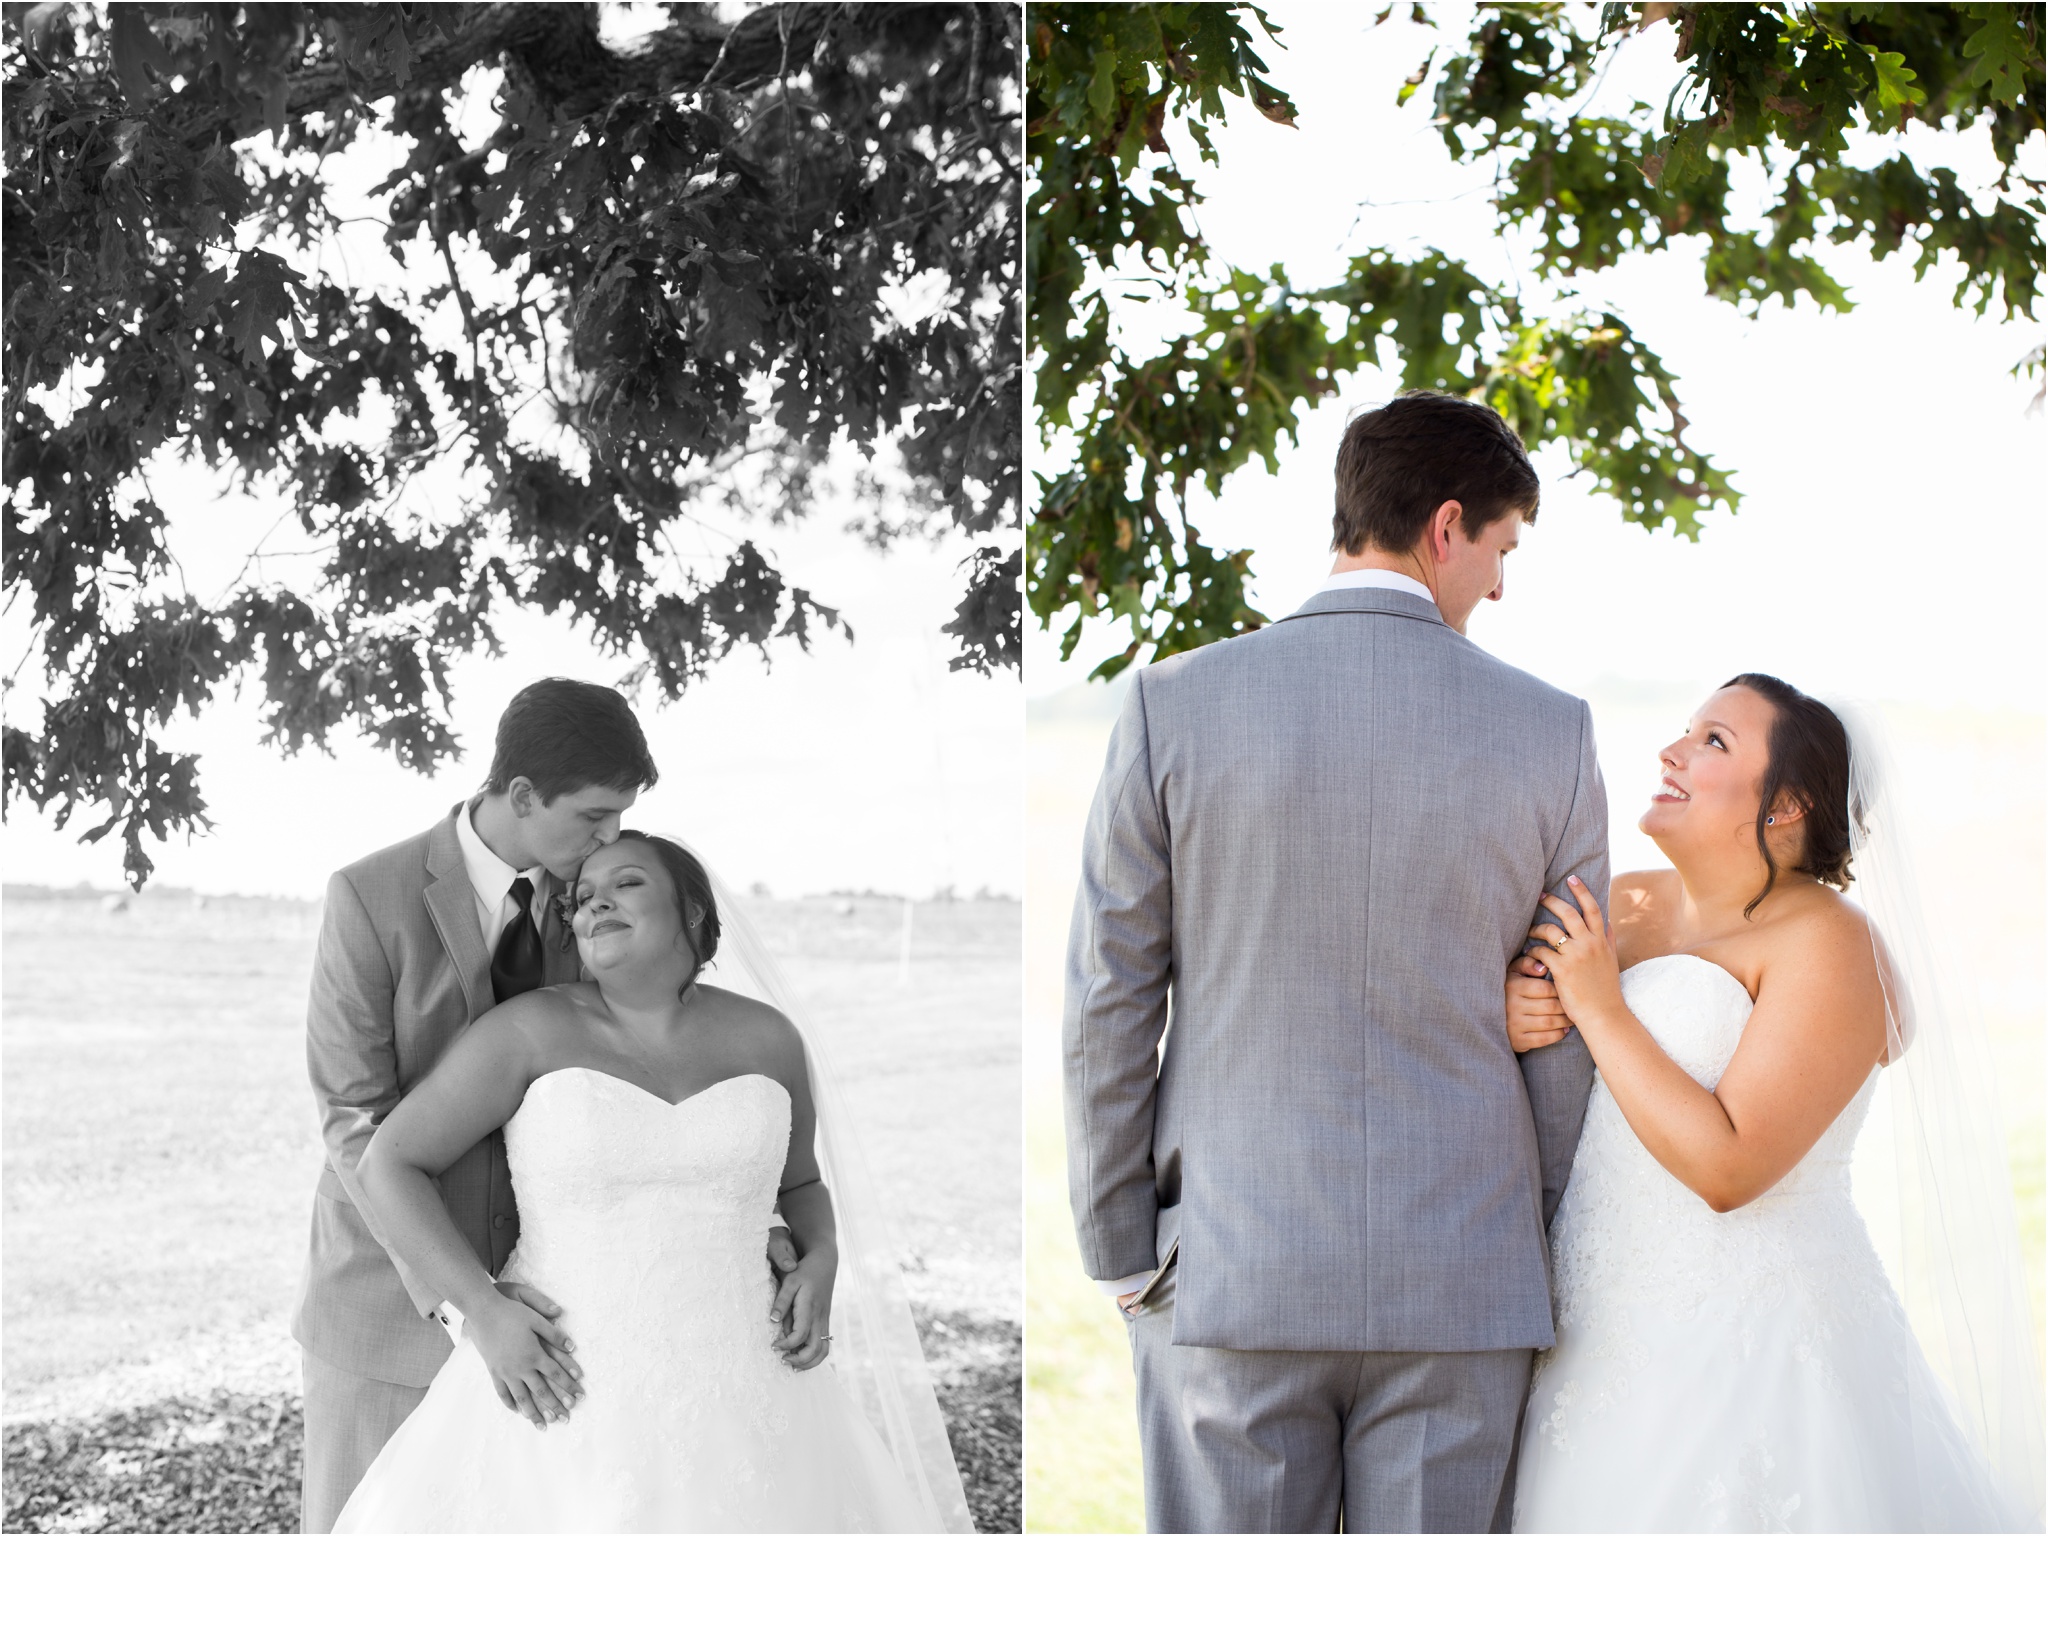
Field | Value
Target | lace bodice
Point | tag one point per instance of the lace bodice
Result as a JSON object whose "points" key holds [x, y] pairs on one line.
{"points": [[1628, 1227], [610, 1177], [648, 1222]]}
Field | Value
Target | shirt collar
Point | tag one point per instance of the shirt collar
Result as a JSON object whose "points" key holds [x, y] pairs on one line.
{"points": [[1374, 579], [490, 876]]}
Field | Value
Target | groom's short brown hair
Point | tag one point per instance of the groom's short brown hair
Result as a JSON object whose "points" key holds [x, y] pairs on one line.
{"points": [[1399, 462], [564, 735]]}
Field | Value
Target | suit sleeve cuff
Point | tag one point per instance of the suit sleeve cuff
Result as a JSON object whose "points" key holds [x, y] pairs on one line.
{"points": [[1117, 1288], [451, 1320]]}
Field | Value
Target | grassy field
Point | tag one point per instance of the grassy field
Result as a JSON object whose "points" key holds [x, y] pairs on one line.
{"points": [[158, 1150], [1082, 1471]]}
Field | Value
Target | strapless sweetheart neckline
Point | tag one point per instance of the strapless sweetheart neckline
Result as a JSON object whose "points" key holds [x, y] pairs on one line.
{"points": [[1682, 954], [650, 1233], [654, 1096]]}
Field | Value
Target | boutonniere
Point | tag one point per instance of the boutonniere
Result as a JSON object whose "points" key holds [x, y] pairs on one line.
{"points": [[565, 914]]}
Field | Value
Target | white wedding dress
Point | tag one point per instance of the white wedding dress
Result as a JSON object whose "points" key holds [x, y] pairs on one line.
{"points": [[1746, 1372], [648, 1222]]}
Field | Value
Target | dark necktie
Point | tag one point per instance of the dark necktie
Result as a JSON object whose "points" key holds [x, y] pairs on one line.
{"points": [[518, 965]]}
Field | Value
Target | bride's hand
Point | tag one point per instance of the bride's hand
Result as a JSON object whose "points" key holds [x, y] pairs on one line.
{"points": [[527, 1359], [1580, 955], [802, 1311], [1535, 1016]]}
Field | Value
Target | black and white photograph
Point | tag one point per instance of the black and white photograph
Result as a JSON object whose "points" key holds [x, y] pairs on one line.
{"points": [[513, 746]]}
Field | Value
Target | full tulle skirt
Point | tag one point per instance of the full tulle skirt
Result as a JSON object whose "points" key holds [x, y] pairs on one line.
{"points": [[1734, 1419], [464, 1463]]}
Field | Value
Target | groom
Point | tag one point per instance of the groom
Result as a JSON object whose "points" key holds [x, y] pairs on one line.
{"points": [[1322, 1209], [416, 943]]}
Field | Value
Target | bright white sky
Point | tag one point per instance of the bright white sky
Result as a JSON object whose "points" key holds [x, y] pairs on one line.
{"points": [[1890, 544], [868, 766], [858, 766]]}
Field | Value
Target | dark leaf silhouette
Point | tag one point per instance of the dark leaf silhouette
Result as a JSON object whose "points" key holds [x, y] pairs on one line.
{"points": [[659, 278]]}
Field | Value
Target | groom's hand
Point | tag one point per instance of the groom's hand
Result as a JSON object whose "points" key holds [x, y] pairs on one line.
{"points": [[782, 1256], [557, 1344], [526, 1355], [1535, 1014]]}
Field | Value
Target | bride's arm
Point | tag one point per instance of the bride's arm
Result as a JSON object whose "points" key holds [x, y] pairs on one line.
{"points": [[472, 1091], [1815, 1034], [802, 1309]]}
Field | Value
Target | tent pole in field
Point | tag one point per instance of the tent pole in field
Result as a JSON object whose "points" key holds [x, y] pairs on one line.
{"points": [[903, 951]]}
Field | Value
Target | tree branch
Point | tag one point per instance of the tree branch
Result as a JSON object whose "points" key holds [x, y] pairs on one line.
{"points": [[558, 41]]}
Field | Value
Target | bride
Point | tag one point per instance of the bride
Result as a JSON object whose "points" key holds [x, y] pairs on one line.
{"points": [[1731, 1354], [653, 1123]]}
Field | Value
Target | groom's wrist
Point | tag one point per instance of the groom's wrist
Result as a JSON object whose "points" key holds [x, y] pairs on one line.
{"points": [[1117, 1288]]}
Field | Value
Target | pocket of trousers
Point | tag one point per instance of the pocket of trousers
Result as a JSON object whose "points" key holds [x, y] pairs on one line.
{"points": [[1158, 1289]]}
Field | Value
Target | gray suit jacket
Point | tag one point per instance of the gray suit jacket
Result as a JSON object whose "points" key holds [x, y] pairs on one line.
{"points": [[1326, 840], [400, 971]]}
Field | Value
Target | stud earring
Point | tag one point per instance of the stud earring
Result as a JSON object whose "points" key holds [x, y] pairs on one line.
{"points": [[1770, 820]]}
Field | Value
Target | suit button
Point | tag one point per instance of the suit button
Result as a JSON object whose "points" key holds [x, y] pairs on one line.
{"points": [[501, 1221]]}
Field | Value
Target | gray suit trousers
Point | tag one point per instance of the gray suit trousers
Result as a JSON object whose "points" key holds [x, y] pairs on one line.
{"points": [[1242, 1442], [349, 1419]]}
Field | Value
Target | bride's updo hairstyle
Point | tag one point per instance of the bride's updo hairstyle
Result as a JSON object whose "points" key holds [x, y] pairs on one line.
{"points": [[693, 897], [1809, 761]]}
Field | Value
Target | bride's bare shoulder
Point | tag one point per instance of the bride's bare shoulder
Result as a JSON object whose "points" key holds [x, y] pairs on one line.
{"points": [[759, 1034], [1819, 939]]}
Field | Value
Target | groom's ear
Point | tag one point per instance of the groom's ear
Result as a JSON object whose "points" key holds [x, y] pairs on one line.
{"points": [[1449, 515], [520, 792]]}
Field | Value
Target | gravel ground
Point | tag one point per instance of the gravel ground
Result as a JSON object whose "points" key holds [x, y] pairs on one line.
{"points": [[221, 1460]]}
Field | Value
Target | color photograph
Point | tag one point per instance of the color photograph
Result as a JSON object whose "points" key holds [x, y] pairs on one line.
{"points": [[1534, 898]]}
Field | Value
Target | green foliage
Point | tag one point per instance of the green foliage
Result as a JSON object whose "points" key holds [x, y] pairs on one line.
{"points": [[1787, 86], [685, 252], [1102, 81]]}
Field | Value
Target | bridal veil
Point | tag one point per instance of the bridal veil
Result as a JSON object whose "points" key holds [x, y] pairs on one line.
{"points": [[1932, 1177], [875, 1350]]}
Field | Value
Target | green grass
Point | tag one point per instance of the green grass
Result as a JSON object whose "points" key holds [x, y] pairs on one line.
{"points": [[1081, 1458]]}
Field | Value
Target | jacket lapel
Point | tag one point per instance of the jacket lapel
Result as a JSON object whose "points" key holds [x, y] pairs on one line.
{"points": [[451, 904]]}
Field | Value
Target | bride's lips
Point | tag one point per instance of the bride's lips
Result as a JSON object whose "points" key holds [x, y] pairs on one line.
{"points": [[604, 926], [1670, 793]]}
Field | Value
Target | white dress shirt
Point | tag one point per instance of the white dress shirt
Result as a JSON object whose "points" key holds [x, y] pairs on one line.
{"points": [[1352, 579], [1375, 579], [491, 878]]}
